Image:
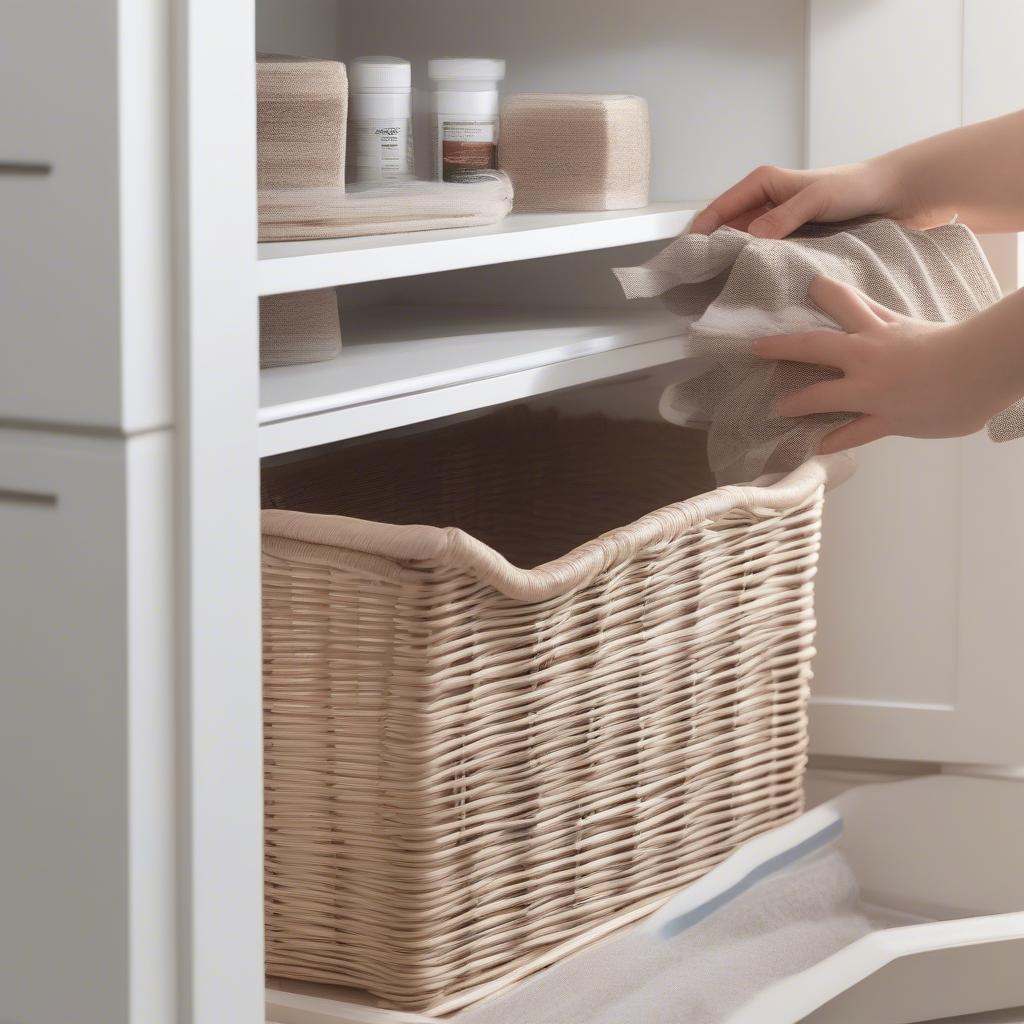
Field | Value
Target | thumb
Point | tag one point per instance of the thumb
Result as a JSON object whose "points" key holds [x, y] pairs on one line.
{"points": [[785, 218]]}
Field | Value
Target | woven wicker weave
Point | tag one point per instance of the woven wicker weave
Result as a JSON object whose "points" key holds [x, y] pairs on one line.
{"points": [[471, 767]]}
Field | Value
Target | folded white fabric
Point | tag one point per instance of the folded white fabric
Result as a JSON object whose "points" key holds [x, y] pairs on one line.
{"points": [[299, 213], [740, 287], [784, 924]]}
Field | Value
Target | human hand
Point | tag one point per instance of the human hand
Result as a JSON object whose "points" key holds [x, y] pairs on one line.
{"points": [[772, 202], [900, 375]]}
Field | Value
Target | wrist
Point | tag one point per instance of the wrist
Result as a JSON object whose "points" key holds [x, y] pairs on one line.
{"points": [[911, 187], [888, 179], [992, 359]]}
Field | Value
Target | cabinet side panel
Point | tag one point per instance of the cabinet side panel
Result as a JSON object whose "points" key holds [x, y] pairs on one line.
{"points": [[217, 373]]}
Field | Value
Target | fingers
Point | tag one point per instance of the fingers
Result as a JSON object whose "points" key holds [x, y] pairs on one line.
{"points": [[744, 220], [862, 430], [847, 306], [824, 348], [755, 192], [808, 204], [882, 312], [826, 396]]}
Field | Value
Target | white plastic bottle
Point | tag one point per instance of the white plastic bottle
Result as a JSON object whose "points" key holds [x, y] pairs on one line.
{"points": [[380, 144], [465, 116]]}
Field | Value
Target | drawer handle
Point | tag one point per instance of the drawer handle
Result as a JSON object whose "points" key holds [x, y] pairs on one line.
{"points": [[25, 167], [27, 498]]}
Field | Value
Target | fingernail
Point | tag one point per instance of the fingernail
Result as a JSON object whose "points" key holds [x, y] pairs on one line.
{"points": [[704, 223]]}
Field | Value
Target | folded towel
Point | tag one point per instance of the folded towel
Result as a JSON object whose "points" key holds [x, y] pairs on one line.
{"points": [[299, 213], [784, 924], [574, 152], [301, 111], [740, 288], [299, 327]]}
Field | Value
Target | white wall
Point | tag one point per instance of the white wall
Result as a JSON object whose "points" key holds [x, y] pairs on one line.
{"points": [[725, 80], [305, 28]]}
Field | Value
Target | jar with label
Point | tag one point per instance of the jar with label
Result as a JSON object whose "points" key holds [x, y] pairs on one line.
{"points": [[465, 116], [380, 145]]}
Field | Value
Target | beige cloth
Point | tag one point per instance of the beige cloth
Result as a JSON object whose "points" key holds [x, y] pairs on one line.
{"points": [[301, 117], [287, 214], [300, 327], [785, 924], [740, 288], [575, 152]]}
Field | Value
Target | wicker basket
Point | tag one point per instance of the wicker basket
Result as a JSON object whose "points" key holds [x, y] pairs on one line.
{"points": [[473, 768]]}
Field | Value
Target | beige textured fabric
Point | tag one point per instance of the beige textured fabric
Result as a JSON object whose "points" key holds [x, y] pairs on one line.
{"points": [[287, 214], [300, 327], [740, 287], [570, 152], [785, 924], [301, 119], [470, 765]]}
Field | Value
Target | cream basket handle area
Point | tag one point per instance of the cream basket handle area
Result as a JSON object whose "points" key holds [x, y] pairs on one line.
{"points": [[316, 538]]}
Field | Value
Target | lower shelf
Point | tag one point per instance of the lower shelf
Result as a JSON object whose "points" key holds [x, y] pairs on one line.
{"points": [[937, 859], [406, 365]]}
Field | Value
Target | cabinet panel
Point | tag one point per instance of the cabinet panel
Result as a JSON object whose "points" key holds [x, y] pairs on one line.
{"points": [[86, 735], [919, 651], [84, 202], [880, 75]]}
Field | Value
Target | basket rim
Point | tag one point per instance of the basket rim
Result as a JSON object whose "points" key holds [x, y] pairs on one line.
{"points": [[311, 537]]}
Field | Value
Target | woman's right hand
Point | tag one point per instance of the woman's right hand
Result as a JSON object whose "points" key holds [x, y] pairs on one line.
{"points": [[772, 202]]}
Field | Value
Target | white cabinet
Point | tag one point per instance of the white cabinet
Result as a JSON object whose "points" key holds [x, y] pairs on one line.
{"points": [[87, 765], [130, 743], [85, 196]]}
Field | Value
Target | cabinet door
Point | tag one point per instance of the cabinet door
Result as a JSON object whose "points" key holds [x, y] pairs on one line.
{"points": [[87, 713], [918, 597], [85, 249]]}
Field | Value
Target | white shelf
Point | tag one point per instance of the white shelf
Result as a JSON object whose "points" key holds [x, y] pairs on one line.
{"points": [[300, 266], [412, 364]]}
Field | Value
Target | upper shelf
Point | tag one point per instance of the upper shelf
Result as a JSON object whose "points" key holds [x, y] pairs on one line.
{"points": [[300, 266]]}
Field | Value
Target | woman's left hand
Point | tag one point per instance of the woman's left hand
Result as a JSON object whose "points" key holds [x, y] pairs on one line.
{"points": [[900, 376]]}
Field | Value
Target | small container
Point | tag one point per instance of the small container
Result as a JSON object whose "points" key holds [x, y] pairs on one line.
{"points": [[465, 116], [380, 146]]}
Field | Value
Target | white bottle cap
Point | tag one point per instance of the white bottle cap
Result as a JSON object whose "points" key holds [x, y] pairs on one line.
{"points": [[383, 74], [477, 69]]}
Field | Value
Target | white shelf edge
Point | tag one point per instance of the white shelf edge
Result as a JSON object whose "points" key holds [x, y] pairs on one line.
{"points": [[301, 266], [288, 435]]}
